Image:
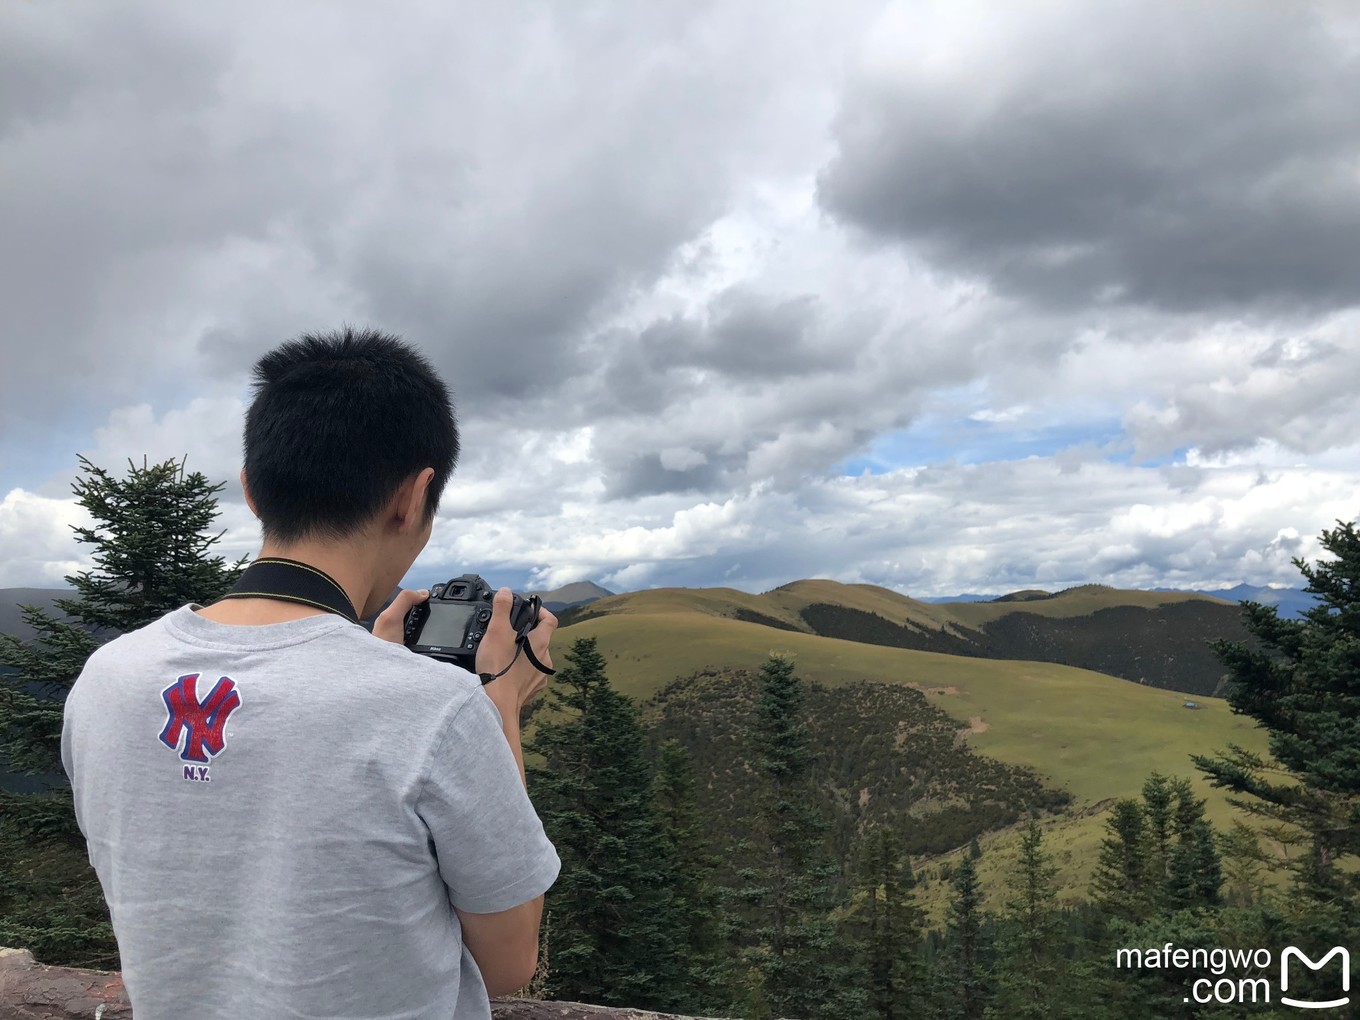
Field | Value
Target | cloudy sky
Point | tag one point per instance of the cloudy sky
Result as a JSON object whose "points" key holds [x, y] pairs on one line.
{"points": [[945, 297]]}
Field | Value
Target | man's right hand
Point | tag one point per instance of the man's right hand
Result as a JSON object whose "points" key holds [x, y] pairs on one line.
{"points": [[523, 682]]}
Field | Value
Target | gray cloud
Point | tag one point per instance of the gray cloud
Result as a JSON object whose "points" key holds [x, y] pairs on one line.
{"points": [[747, 336], [1183, 156], [607, 229], [224, 182]]}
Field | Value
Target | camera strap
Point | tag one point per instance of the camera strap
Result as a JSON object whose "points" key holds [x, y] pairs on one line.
{"points": [[273, 577], [521, 645]]}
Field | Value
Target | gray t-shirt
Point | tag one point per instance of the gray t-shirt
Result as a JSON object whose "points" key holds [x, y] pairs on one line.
{"points": [[283, 817]]}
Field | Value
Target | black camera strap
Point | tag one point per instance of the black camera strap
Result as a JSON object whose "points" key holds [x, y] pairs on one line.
{"points": [[272, 577], [521, 645]]}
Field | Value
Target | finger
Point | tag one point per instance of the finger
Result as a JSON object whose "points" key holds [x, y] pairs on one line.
{"points": [[391, 622], [501, 605], [547, 623], [541, 635]]}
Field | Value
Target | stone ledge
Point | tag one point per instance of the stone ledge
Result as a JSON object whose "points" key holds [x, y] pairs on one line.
{"points": [[30, 991]]}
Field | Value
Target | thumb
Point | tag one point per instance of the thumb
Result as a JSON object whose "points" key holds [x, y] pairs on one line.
{"points": [[501, 605], [391, 621], [408, 597]]}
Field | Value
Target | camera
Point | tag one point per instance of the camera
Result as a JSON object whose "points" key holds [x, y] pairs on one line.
{"points": [[451, 623]]}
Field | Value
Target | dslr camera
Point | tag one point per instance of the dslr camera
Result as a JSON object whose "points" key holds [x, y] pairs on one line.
{"points": [[451, 623]]}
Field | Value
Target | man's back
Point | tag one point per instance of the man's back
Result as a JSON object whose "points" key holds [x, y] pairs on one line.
{"points": [[283, 817]]}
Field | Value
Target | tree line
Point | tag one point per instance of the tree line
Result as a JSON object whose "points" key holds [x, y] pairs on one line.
{"points": [[639, 916]]}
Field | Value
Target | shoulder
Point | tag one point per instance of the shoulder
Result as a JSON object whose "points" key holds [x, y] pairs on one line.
{"points": [[132, 642], [421, 668]]}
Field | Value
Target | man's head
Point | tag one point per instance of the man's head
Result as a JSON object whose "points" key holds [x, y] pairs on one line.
{"points": [[340, 423]]}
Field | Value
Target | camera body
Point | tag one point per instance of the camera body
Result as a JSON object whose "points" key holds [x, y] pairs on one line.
{"points": [[451, 623]]}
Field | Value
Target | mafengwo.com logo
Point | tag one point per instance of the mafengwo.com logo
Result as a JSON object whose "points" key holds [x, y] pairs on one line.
{"points": [[1291, 954], [1228, 977]]}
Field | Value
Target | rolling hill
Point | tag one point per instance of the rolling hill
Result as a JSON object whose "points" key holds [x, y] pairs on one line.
{"points": [[1088, 735], [1160, 639], [578, 593]]}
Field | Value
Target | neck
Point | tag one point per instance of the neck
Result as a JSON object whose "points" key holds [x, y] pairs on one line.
{"points": [[353, 567], [345, 563]]}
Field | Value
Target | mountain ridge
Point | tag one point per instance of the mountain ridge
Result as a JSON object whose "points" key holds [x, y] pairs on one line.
{"points": [[1160, 639]]}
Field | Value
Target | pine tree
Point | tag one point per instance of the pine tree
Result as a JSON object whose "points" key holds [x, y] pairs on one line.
{"points": [[1303, 685], [1243, 861], [1194, 869], [1027, 978], [1159, 812], [1121, 884], [1182, 867], [967, 963], [888, 927], [151, 555], [614, 937], [795, 954], [699, 949]]}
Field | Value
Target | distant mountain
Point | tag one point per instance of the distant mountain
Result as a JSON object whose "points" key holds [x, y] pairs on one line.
{"points": [[568, 596], [11, 616], [1291, 602]]}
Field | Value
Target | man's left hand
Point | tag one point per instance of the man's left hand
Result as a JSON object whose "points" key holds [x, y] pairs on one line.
{"points": [[391, 622]]}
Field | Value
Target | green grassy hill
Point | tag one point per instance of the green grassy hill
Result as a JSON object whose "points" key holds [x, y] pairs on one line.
{"points": [[1161, 639], [1093, 736]]}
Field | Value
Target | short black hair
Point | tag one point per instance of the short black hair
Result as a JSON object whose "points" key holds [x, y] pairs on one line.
{"points": [[338, 422]]}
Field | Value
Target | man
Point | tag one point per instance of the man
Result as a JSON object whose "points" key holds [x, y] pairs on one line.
{"points": [[290, 816]]}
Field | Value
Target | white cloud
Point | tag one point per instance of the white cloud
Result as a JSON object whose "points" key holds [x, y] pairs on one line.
{"points": [[205, 434], [37, 546]]}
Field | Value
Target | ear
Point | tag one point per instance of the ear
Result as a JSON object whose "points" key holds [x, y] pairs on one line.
{"points": [[246, 489], [411, 501]]}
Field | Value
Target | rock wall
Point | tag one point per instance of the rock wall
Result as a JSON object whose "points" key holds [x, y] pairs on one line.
{"points": [[29, 991]]}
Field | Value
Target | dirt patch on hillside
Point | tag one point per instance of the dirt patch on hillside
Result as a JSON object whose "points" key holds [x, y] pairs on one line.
{"points": [[975, 725]]}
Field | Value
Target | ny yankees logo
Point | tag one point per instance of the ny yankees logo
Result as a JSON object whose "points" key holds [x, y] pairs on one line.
{"points": [[201, 724]]}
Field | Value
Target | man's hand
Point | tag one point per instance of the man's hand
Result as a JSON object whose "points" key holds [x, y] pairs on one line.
{"points": [[391, 622], [523, 682]]}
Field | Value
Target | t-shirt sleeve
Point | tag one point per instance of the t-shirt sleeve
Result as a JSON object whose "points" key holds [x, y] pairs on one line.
{"points": [[493, 853]]}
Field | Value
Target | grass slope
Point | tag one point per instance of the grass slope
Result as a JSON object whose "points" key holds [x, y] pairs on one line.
{"points": [[1082, 601], [786, 602], [1161, 639], [1093, 735]]}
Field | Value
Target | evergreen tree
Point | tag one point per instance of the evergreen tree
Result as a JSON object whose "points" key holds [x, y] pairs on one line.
{"points": [[1158, 855], [1194, 875], [699, 949], [1027, 971], [1302, 683], [151, 555], [1159, 814], [614, 935], [1183, 868], [967, 965], [1242, 862], [1121, 883], [796, 954], [888, 927]]}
